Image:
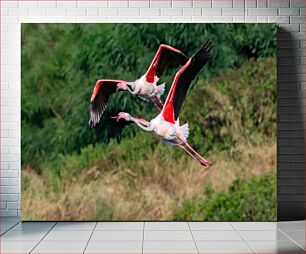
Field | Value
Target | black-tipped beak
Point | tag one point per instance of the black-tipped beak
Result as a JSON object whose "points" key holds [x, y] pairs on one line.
{"points": [[115, 117]]}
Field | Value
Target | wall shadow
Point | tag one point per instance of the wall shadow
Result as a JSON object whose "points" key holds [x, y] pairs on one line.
{"points": [[290, 130]]}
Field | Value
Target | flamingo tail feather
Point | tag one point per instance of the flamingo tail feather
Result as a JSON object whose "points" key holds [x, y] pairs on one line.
{"points": [[160, 90]]}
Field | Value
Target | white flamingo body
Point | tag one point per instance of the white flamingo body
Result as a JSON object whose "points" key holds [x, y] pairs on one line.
{"points": [[168, 132], [147, 90]]}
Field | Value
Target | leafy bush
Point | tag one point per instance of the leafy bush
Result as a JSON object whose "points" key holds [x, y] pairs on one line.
{"points": [[253, 200], [239, 105]]}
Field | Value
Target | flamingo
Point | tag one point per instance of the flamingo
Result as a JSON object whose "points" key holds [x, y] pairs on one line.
{"points": [[145, 87], [166, 125]]}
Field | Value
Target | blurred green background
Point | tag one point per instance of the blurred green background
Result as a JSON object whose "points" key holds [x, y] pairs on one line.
{"points": [[115, 173]]}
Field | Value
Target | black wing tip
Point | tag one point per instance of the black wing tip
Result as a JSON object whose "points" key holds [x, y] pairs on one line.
{"points": [[91, 124], [205, 51], [207, 47]]}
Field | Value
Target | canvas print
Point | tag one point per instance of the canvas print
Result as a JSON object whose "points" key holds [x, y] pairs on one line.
{"points": [[148, 122]]}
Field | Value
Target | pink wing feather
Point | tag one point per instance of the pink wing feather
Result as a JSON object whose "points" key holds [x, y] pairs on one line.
{"points": [[164, 56], [168, 109], [104, 88], [182, 82]]}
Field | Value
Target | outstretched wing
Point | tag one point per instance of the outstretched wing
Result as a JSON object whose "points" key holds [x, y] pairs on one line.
{"points": [[165, 56], [104, 88], [182, 81]]}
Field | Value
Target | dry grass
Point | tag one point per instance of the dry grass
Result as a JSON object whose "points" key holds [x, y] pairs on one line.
{"points": [[124, 194]]}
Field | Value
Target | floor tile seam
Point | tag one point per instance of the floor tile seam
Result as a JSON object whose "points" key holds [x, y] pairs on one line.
{"points": [[143, 231], [273, 224], [193, 238], [247, 243], [42, 238], [93, 230], [284, 230], [67, 241], [269, 222], [256, 229], [9, 228], [290, 238]]}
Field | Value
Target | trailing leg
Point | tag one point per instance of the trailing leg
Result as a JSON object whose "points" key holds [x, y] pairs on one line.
{"points": [[195, 152], [192, 155]]}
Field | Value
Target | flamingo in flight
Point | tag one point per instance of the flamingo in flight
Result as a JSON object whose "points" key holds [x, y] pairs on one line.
{"points": [[145, 87], [166, 125]]}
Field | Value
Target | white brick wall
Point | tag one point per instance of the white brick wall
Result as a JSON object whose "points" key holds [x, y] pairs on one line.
{"points": [[289, 13]]}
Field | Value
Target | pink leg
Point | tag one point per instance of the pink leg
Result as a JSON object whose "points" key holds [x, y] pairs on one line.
{"points": [[155, 105], [160, 101], [204, 160], [199, 161]]}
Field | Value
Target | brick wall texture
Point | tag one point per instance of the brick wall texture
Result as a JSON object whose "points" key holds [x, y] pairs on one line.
{"points": [[289, 14]]}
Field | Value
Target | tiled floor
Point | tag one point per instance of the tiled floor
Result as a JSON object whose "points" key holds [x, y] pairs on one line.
{"points": [[152, 237]]}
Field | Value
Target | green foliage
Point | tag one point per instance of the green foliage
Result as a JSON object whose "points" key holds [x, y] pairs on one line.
{"points": [[252, 200], [238, 105], [61, 63]]}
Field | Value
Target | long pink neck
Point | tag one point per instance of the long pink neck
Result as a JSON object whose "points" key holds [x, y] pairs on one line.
{"points": [[143, 124]]}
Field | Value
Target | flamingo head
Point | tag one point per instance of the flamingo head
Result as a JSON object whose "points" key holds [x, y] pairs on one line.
{"points": [[123, 115], [123, 86]]}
